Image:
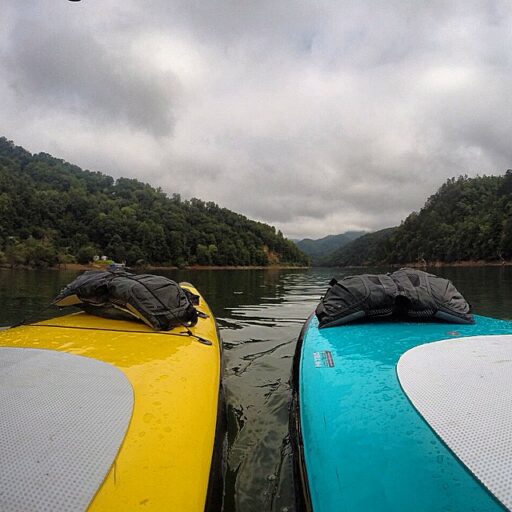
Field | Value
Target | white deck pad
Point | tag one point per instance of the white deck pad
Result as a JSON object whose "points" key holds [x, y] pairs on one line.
{"points": [[62, 420], [463, 389]]}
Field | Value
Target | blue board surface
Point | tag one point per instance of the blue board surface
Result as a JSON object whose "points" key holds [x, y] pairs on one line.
{"points": [[365, 446]]}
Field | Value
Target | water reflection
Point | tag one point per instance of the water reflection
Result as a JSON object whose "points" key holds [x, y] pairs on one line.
{"points": [[26, 294], [260, 314]]}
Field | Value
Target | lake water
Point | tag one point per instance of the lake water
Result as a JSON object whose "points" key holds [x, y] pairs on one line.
{"points": [[260, 314]]}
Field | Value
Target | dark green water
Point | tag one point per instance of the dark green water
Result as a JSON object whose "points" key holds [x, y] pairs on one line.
{"points": [[260, 314]]}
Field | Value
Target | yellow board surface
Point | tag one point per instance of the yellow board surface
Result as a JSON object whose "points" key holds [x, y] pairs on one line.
{"points": [[164, 461]]}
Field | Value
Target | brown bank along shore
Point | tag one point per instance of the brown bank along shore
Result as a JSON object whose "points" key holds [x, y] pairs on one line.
{"points": [[470, 263], [420, 265], [438, 264], [78, 266]]}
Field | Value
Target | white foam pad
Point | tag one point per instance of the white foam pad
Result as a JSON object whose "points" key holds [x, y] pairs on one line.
{"points": [[62, 420], [463, 389]]}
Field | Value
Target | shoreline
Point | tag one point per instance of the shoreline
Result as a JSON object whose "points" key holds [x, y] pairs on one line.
{"points": [[430, 264], [79, 266], [468, 263], [436, 264]]}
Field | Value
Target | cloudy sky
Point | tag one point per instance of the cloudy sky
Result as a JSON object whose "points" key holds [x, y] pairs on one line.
{"points": [[315, 116]]}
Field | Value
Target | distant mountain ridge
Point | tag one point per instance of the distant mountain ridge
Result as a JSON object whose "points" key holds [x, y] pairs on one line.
{"points": [[320, 248]]}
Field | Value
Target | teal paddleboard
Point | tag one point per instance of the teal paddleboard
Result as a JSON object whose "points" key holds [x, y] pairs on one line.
{"points": [[360, 444]]}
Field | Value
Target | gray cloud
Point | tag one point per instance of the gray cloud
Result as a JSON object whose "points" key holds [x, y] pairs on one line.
{"points": [[66, 67], [316, 117]]}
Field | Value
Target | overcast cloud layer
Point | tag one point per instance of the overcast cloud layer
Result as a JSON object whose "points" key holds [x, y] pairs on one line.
{"points": [[317, 117]]}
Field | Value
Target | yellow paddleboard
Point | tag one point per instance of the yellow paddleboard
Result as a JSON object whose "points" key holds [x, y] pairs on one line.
{"points": [[165, 459]]}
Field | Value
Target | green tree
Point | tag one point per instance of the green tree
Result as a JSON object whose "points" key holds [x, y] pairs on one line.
{"points": [[85, 254]]}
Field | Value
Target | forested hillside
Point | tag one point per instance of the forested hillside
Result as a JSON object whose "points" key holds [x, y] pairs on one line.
{"points": [[467, 219], [52, 211]]}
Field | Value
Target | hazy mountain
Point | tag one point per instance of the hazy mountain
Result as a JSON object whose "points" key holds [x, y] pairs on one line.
{"points": [[322, 247]]}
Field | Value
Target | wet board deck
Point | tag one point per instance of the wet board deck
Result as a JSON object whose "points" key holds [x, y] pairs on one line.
{"points": [[162, 455], [362, 445]]}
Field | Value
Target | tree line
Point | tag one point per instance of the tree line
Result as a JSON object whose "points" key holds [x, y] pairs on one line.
{"points": [[54, 212]]}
